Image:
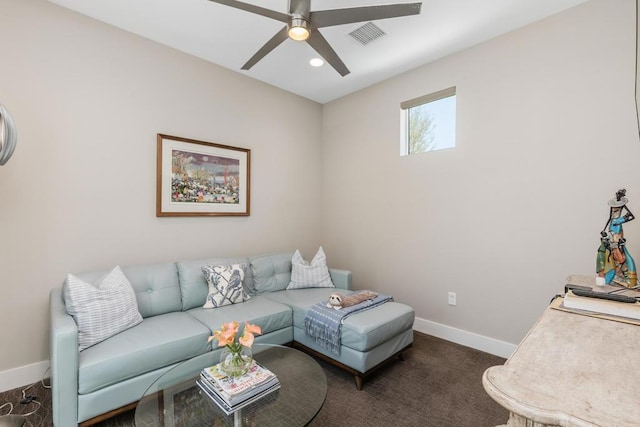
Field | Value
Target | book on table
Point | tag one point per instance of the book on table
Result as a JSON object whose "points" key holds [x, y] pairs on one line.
{"points": [[602, 306], [226, 407], [231, 393], [235, 390], [230, 387]]}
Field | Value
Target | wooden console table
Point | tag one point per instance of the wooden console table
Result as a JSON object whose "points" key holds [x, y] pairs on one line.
{"points": [[571, 370]]}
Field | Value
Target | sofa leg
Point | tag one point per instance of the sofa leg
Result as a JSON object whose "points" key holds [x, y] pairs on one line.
{"points": [[357, 375], [110, 414], [358, 379]]}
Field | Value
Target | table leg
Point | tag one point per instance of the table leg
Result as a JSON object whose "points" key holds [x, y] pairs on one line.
{"points": [[516, 420]]}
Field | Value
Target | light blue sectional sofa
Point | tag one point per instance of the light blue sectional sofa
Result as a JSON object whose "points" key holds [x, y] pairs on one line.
{"points": [[111, 376]]}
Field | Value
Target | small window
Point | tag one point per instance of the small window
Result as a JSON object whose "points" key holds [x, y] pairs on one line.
{"points": [[429, 122]]}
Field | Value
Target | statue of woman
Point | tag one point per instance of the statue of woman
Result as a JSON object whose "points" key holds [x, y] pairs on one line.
{"points": [[614, 262]]}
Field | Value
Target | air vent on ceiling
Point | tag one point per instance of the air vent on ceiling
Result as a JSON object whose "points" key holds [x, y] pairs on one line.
{"points": [[367, 33]]}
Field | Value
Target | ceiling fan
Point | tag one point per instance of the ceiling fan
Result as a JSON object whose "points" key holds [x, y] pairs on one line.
{"points": [[302, 25]]}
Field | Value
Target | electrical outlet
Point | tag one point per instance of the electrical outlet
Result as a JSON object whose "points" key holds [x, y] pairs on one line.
{"points": [[452, 298]]}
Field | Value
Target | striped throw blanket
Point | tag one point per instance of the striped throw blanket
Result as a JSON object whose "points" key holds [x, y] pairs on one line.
{"points": [[322, 323]]}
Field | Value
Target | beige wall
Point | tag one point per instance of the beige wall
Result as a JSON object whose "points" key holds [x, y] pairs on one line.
{"points": [[79, 192], [546, 133]]}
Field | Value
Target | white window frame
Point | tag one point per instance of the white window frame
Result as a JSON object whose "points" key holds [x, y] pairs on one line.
{"points": [[404, 116]]}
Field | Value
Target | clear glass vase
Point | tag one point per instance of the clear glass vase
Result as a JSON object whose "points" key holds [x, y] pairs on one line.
{"points": [[236, 363]]}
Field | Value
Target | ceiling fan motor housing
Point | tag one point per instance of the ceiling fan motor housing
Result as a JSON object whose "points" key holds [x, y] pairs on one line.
{"points": [[299, 29]]}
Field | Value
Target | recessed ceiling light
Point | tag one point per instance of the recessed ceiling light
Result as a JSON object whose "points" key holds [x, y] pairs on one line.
{"points": [[316, 62]]}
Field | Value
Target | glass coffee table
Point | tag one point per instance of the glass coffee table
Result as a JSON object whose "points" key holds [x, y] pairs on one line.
{"points": [[174, 399]]}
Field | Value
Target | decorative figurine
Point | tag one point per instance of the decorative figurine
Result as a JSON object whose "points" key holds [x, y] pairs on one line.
{"points": [[614, 263]]}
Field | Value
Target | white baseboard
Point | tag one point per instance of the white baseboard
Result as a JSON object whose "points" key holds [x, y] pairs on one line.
{"points": [[29, 374], [23, 376], [466, 338]]}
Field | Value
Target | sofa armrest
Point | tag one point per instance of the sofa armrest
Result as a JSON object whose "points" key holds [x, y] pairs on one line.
{"points": [[64, 362], [341, 278]]}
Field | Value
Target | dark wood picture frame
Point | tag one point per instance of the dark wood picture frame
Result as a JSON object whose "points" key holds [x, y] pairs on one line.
{"points": [[198, 178]]}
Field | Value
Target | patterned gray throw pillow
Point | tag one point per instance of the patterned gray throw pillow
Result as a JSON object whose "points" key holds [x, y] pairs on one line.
{"points": [[101, 311], [225, 285]]}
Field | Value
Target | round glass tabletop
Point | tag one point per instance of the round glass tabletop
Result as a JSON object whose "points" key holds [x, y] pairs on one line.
{"points": [[175, 399]]}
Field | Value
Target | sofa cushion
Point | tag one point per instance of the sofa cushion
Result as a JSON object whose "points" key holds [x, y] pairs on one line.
{"points": [[361, 331], [193, 284], [225, 285], [269, 315], [314, 274], [156, 342], [370, 328], [157, 288], [300, 301], [101, 310], [271, 272]]}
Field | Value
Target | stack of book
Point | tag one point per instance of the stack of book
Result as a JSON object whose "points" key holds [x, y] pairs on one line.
{"points": [[230, 393], [603, 303]]}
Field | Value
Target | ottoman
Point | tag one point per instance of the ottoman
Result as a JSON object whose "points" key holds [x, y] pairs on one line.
{"points": [[369, 338]]}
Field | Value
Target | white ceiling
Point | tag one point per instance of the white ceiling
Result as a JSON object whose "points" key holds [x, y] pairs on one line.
{"points": [[229, 37]]}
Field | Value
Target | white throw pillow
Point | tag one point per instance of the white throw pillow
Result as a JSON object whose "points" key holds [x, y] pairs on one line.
{"points": [[225, 285], [310, 275], [103, 311]]}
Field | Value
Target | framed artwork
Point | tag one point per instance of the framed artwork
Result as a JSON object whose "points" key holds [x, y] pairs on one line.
{"points": [[197, 178]]}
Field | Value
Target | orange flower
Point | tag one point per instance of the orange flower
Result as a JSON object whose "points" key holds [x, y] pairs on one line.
{"points": [[248, 334], [226, 335], [253, 329]]}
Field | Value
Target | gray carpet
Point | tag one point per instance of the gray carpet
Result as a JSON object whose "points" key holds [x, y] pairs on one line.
{"points": [[438, 384]]}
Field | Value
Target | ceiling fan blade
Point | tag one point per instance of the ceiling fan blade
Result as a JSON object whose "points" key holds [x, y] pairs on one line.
{"points": [[328, 18], [322, 46], [282, 17], [268, 47]]}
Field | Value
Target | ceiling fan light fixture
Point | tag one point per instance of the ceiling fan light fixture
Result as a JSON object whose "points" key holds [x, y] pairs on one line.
{"points": [[299, 29]]}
